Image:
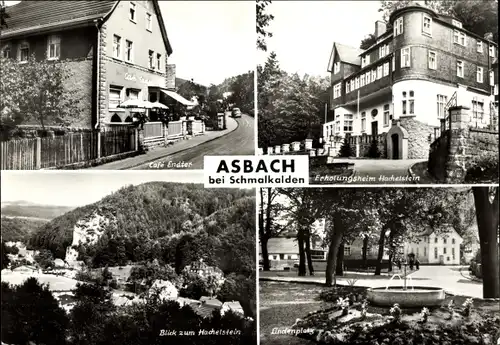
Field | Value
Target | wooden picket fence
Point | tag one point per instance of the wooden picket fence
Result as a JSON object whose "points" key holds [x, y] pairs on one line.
{"points": [[60, 151]]}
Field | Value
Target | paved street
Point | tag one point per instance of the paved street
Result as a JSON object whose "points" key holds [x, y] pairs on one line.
{"points": [[237, 139], [453, 279], [383, 171], [238, 142]]}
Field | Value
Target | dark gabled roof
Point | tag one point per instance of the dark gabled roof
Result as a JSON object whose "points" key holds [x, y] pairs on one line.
{"points": [[33, 16]]}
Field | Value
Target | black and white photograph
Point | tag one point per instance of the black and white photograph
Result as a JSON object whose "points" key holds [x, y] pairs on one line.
{"points": [[381, 92], [379, 266], [141, 257], [119, 85]]}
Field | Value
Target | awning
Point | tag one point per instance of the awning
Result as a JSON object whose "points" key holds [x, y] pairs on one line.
{"points": [[178, 97]]}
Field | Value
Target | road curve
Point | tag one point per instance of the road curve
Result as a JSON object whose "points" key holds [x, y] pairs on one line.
{"points": [[238, 142]]}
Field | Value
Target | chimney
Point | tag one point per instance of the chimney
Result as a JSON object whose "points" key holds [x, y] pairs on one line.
{"points": [[170, 77], [380, 28], [488, 36]]}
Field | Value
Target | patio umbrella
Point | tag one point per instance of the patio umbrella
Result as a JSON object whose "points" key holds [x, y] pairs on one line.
{"points": [[136, 103], [159, 105]]}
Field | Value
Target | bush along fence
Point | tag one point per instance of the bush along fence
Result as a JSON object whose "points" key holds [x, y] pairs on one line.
{"points": [[462, 145]]}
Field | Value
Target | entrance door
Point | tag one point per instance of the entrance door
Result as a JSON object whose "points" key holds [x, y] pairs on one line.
{"points": [[375, 128], [395, 146]]}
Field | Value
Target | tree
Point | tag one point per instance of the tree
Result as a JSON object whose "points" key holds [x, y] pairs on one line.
{"points": [[31, 314], [269, 210], [263, 21], [373, 150], [346, 149], [44, 259], [37, 90], [3, 15], [5, 258], [487, 210], [368, 41]]}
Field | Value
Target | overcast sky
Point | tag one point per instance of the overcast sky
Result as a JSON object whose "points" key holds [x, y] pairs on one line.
{"points": [[78, 188], [304, 31], [211, 40]]}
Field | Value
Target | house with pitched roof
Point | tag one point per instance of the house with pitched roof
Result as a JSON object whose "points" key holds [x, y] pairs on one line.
{"points": [[398, 90], [116, 51]]}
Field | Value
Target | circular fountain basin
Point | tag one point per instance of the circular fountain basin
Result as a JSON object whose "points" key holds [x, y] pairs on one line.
{"points": [[417, 296]]}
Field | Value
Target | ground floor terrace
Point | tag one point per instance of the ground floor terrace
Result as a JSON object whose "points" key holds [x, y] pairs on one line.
{"points": [[404, 119]]}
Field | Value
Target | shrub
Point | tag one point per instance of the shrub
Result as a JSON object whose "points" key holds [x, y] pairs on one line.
{"points": [[373, 151], [346, 149]]}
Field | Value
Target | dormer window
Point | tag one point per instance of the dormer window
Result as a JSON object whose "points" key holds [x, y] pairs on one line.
{"points": [[398, 26], [492, 50], [23, 52], [459, 37], [427, 25], [132, 12], [54, 47], [456, 23], [479, 46], [336, 67]]}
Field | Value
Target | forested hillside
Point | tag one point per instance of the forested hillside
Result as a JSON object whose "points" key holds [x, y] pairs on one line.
{"points": [[19, 229], [175, 223]]}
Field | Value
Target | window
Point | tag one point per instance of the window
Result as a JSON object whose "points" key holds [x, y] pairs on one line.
{"points": [[357, 83], [425, 251], [54, 47], [379, 72], [151, 63], [374, 75], [128, 51], [398, 26], [383, 50], [368, 78], [408, 104], [116, 46], [362, 80], [435, 253], [275, 257], [441, 103], [114, 97], [132, 12], [492, 50], [435, 240], [452, 241], [479, 75], [6, 53], [363, 121], [348, 119], [477, 109], [347, 250], [444, 240], [426, 25], [460, 69], [432, 60], [479, 46], [336, 67], [337, 126], [393, 63], [405, 57], [492, 78], [386, 69], [149, 22], [365, 60], [456, 23], [353, 86], [459, 37], [336, 91], [347, 87], [24, 52], [158, 61], [133, 94], [386, 115], [444, 250]]}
